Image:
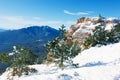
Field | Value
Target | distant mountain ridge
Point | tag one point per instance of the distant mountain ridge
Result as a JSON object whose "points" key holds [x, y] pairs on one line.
{"points": [[33, 37]]}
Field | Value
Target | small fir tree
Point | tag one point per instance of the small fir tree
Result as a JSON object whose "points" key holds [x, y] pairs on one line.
{"points": [[100, 36], [59, 51], [19, 59], [4, 58]]}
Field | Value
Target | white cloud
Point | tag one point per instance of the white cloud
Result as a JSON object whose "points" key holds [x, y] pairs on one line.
{"points": [[37, 18], [77, 13], [17, 22], [67, 12]]}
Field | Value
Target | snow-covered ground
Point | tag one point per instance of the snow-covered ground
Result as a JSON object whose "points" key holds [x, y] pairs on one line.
{"points": [[96, 63]]}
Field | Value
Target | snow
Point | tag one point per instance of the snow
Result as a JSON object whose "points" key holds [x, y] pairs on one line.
{"points": [[10, 54], [96, 63], [104, 54], [85, 28], [88, 26], [110, 26], [111, 18]]}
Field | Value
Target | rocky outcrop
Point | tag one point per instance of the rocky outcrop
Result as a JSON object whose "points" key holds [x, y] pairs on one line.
{"points": [[72, 29], [84, 27]]}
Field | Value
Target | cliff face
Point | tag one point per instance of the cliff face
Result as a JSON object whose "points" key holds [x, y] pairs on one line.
{"points": [[84, 27]]}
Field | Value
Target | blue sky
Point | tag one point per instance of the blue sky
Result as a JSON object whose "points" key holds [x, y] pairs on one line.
{"points": [[15, 14]]}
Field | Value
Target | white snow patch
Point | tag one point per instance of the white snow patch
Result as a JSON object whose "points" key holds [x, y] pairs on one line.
{"points": [[104, 54], [96, 63]]}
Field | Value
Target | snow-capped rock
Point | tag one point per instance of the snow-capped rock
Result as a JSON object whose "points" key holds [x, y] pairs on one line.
{"points": [[85, 26]]}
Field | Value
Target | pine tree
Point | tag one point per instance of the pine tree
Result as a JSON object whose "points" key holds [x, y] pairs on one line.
{"points": [[59, 51], [100, 19], [4, 58], [19, 60], [22, 56], [100, 36]]}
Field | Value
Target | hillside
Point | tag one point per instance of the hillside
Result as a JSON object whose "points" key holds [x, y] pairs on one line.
{"points": [[33, 37], [96, 63]]}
